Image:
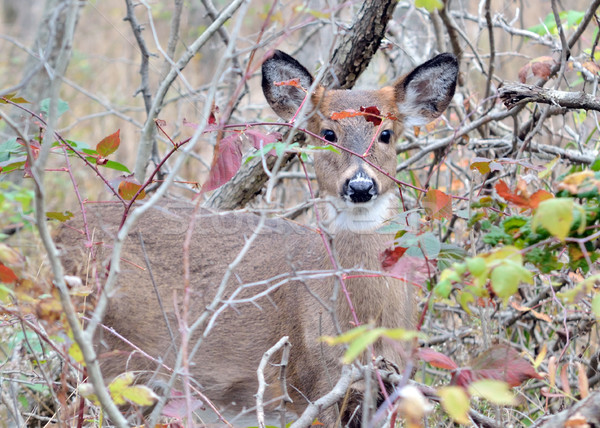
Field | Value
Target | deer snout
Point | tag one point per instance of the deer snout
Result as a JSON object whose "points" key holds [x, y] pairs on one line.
{"points": [[360, 188]]}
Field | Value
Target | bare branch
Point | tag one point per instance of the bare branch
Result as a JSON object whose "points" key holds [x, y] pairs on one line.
{"points": [[262, 385], [514, 94]]}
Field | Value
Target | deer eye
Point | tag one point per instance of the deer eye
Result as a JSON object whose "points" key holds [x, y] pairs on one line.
{"points": [[386, 136], [329, 135]]}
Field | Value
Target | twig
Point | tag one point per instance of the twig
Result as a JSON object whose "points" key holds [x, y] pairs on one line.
{"points": [[262, 385], [148, 131], [137, 28], [514, 94], [349, 375]]}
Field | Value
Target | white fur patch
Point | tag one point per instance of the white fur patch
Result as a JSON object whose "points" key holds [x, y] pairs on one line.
{"points": [[359, 217]]}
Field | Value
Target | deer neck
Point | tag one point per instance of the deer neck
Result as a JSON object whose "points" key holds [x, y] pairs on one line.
{"points": [[376, 298]]}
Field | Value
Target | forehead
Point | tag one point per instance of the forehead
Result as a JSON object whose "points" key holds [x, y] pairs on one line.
{"points": [[338, 100]]}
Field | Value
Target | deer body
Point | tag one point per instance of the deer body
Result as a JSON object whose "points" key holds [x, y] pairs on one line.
{"points": [[357, 199]]}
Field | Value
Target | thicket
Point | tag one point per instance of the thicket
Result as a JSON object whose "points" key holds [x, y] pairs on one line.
{"points": [[500, 197]]}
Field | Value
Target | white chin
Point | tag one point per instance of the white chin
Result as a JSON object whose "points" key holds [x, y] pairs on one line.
{"points": [[361, 217]]}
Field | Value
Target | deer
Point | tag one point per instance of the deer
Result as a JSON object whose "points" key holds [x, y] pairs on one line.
{"points": [[292, 289]]}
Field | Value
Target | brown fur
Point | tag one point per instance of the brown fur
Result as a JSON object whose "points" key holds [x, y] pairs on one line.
{"points": [[225, 365]]}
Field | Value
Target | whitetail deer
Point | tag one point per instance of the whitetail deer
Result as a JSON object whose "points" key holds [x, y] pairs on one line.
{"points": [[356, 199]]}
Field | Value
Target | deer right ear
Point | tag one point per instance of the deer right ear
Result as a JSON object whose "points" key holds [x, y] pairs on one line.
{"points": [[424, 93], [285, 100]]}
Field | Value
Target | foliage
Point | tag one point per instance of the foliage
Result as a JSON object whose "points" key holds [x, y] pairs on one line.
{"points": [[499, 230]]}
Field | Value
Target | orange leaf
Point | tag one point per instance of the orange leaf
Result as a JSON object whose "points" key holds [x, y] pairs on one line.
{"points": [[437, 204], [539, 196], [109, 144], [503, 191], [344, 114], [7, 276], [577, 421], [128, 188], [564, 380], [582, 380], [437, 359], [292, 82]]}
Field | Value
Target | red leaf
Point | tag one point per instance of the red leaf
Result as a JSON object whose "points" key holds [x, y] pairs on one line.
{"points": [[372, 114], [212, 119], [503, 362], [178, 408], [109, 144], [7, 276], [292, 82], [389, 257], [412, 270], [259, 139], [503, 191], [437, 204], [189, 124], [538, 67], [437, 359], [128, 187], [227, 159]]}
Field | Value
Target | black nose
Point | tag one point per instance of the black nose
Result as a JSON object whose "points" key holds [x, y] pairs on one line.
{"points": [[360, 188]]}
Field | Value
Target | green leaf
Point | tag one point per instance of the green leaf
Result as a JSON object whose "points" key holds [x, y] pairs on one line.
{"points": [[9, 147], [13, 97], [464, 299], [554, 215], [61, 108], [443, 288], [494, 391], [116, 166], [430, 245], [346, 337], [60, 216], [360, 344], [402, 334], [507, 276], [455, 402], [477, 266], [5, 293], [429, 5], [574, 18], [596, 305]]}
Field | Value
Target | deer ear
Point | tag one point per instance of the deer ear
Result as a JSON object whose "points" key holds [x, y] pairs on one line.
{"points": [[284, 100], [424, 93]]}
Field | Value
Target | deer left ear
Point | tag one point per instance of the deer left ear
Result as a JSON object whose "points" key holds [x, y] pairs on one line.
{"points": [[284, 100], [424, 93]]}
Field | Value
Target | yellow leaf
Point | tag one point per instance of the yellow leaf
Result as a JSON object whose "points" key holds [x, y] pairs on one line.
{"points": [[494, 391], [548, 168], [540, 358], [455, 402], [118, 386], [76, 354], [140, 394]]}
